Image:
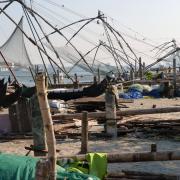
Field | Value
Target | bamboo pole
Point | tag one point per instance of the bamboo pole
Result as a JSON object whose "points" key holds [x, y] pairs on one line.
{"points": [[48, 124]]}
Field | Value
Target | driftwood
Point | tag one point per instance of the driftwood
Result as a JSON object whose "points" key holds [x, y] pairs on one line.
{"points": [[48, 125]]}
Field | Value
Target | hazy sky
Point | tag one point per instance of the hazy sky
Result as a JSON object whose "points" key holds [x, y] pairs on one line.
{"points": [[153, 18], [156, 20]]}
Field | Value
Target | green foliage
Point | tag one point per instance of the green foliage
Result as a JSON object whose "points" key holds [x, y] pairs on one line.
{"points": [[149, 75]]}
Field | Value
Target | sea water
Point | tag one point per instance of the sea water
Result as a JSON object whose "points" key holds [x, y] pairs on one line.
{"points": [[24, 76]]}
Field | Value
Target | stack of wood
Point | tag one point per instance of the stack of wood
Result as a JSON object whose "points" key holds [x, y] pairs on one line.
{"points": [[94, 104]]}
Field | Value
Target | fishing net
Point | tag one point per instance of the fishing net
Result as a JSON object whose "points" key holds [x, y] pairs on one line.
{"points": [[14, 49], [14, 167]]}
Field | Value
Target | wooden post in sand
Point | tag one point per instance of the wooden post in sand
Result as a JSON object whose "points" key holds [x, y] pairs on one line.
{"points": [[39, 137], [42, 170], [48, 125], [111, 124], [84, 133]]}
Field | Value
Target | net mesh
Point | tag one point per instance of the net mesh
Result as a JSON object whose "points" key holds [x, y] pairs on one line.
{"points": [[14, 49]]}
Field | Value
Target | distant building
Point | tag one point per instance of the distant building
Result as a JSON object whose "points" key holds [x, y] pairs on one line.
{"points": [[3, 66]]}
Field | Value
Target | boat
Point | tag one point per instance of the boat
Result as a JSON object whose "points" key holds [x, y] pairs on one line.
{"points": [[56, 94], [69, 94], [3, 88]]}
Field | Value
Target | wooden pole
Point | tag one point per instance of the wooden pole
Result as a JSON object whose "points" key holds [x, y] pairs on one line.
{"points": [[48, 124], [95, 80], [132, 175], [140, 68], [58, 78], [42, 170], [38, 131], [135, 70], [174, 76], [132, 74], [119, 113], [153, 148], [111, 124], [84, 133], [76, 82], [99, 76], [32, 74], [144, 67], [135, 157], [9, 67], [54, 78]]}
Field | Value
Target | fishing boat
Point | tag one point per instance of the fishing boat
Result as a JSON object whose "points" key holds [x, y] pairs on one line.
{"points": [[90, 91], [55, 94]]}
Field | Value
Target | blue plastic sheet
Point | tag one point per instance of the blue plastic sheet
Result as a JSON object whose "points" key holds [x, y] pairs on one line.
{"points": [[154, 93], [131, 94]]}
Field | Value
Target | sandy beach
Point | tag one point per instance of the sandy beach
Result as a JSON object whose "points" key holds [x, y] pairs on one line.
{"points": [[133, 142]]}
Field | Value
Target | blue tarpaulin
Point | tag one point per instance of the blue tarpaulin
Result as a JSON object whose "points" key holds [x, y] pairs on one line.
{"points": [[131, 94]]}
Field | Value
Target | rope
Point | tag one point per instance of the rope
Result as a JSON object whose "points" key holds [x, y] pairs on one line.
{"points": [[31, 25]]}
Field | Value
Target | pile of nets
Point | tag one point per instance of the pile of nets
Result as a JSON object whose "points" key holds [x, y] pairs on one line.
{"points": [[156, 91], [137, 91]]}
